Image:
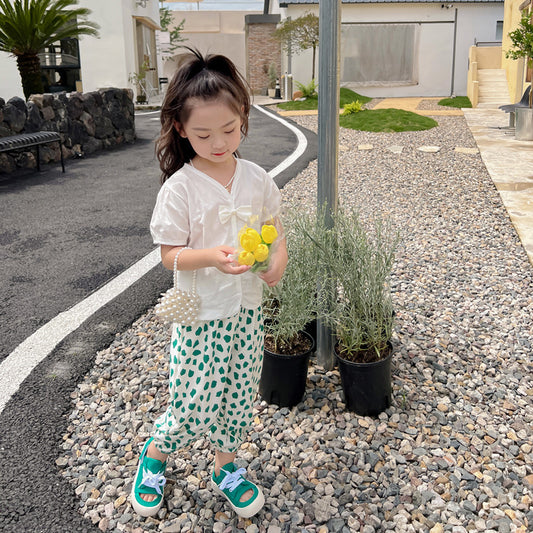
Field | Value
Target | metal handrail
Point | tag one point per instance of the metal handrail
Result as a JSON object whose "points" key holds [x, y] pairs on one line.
{"points": [[487, 43]]}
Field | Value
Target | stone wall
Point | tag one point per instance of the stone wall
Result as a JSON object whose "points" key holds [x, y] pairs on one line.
{"points": [[87, 122]]}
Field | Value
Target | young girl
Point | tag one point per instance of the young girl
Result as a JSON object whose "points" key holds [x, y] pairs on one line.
{"points": [[206, 198]]}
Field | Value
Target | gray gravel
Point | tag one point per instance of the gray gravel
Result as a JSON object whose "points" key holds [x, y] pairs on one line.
{"points": [[455, 450], [430, 105]]}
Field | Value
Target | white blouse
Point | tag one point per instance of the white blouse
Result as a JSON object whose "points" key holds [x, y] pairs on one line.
{"points": [[193, 209]]}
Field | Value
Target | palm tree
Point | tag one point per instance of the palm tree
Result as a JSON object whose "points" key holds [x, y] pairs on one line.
{"points": [[28, 26]]}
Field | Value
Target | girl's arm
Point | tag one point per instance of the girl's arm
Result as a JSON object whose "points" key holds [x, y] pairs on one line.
{"points": [[219, 257], [277, 264], [278, 261]]}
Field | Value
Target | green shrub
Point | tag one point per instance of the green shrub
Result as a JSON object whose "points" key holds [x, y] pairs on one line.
{"points": [[309, 90], [291, 304], [352, 107], [272, 76], [355, 299]]}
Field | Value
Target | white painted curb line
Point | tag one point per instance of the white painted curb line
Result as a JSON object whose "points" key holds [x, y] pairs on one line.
{"points": [[27, 355], [300, 149], [18, 365]]}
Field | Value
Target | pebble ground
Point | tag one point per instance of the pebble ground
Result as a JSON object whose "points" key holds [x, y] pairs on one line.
{"points": [[454, 452]]}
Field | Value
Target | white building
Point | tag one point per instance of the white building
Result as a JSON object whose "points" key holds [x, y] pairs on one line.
{"points": [[127, 39], [211, 32], [404, 47]]}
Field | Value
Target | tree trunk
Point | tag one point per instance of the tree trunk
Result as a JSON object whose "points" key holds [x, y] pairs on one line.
{"points": [[314, 57], [30, 74]]}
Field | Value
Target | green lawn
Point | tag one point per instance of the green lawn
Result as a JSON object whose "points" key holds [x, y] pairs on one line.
{"points": [[346, 96], [457, 101], [386, 120]]}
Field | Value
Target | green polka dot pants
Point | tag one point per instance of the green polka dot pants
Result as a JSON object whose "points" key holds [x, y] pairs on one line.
{"points": [[214, 370]]}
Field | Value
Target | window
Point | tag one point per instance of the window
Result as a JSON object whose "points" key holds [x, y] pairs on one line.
{"points": [[499, 30], [378, 54], [60, 65]]}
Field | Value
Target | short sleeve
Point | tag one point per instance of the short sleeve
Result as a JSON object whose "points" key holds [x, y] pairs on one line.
{"points": [[272, 196], [170, 219]]}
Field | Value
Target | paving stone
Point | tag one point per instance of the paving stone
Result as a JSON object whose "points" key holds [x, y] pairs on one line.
{"points": [[395, 149], [464, 150], [429, 149]]}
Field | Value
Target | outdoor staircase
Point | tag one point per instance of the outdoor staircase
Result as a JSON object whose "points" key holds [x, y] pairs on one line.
{"points": [[493, 89]]}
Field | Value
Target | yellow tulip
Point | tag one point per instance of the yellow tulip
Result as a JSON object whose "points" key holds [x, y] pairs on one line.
{"points": [[250, 240], [246, 258], [269, 233], [261, 253]]}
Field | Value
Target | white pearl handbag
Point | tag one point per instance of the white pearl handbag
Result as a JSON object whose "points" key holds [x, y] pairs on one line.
{"points": [[178, 305]]}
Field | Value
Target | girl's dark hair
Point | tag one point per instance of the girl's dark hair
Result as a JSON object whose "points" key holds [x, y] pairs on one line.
{"points": [[208, 78]]}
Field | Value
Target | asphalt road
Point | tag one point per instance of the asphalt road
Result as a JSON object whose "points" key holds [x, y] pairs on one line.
{"points": [[62, 237], [65, 235]]}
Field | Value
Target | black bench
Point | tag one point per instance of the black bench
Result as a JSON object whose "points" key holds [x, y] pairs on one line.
{"points": [[26, 140], [510, 108]]}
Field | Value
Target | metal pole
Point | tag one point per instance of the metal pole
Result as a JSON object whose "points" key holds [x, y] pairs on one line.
{"points": [[328, 136], [452, 89], [289, 55]]}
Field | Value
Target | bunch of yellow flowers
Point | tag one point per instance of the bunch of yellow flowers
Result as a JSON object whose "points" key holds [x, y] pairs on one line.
{"points": [[256, 247]]}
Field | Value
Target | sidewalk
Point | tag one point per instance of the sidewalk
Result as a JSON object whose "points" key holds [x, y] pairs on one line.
{"points": [[510, 165]]}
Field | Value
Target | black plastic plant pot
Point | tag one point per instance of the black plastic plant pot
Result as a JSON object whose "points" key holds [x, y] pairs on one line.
{"points": [[367, 386], [311, 327], [284, 377]]}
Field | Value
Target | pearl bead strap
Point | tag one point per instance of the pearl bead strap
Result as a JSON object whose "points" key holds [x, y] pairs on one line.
{"points": [[193, 287], [177, 305]]}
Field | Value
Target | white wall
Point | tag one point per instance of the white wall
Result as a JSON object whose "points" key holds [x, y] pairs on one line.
{"points": [[10, 84], [108, 61], [213, 32], [103, 59], [435, 50], [477, 23]]}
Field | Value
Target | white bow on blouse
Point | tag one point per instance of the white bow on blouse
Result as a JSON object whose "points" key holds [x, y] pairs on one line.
{"points": [[225, 213]]}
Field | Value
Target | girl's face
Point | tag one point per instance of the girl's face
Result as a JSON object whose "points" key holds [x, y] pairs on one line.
{"points": [[213, 129]]}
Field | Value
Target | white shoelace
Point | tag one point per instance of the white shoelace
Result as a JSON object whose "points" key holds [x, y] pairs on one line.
{"points": [[232, 480], [154, 481]]}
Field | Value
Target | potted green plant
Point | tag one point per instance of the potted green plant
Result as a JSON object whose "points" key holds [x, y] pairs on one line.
{"points": [[356, 304], [522, 41], [272, 79], [288, 309], [138, 78]]}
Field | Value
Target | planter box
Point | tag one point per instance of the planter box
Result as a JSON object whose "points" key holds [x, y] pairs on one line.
{"points": [[524, 124]]}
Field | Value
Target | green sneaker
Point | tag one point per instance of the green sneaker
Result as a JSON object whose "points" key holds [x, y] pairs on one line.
{"points": [[150, 479], [232, 485]]}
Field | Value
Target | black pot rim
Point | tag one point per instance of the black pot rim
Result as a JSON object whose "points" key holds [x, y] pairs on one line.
{"points": [[373, 363], [302, 354]]}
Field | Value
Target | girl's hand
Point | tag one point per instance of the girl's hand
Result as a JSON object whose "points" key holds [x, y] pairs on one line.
{"points": [[219, 257], [277, 264], [222, 257]]}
